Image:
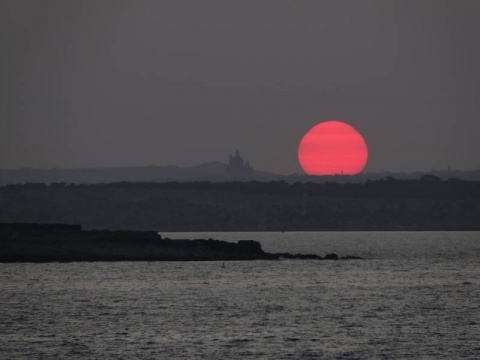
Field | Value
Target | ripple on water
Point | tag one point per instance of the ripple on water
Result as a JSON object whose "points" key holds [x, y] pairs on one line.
{"points": [[379, 308]]}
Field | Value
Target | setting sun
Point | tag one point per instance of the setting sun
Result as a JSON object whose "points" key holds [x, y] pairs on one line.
{"points": [[332, 148]]}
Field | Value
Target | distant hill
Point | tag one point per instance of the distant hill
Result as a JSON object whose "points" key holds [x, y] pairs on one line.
{"points": [[444, 175], [237, 169]]}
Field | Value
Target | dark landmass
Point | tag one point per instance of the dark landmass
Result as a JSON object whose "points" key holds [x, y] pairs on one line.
{"points": [[236, 169], [390, 204], [65, 243]]}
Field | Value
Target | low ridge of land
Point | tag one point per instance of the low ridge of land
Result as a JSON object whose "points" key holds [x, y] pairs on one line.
{"points": [[390, 204]]}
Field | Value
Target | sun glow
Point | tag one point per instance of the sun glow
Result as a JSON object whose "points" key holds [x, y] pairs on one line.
{"points": [[332, 148]]}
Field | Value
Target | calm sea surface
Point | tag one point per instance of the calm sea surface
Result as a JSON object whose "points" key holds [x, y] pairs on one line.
{"points": [[416, 295]]}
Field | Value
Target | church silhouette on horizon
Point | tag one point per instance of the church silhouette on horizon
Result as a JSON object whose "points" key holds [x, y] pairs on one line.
{"points": [[238, 166]]}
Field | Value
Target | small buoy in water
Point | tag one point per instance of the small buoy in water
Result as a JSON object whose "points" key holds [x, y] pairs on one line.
{"points": [[223, 265]]}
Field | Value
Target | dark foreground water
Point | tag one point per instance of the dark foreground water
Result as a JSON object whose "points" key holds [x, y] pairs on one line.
{"points": [[417, 295]]}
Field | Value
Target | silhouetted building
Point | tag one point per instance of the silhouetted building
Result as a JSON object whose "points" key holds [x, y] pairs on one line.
{"points": [[238, 166]]}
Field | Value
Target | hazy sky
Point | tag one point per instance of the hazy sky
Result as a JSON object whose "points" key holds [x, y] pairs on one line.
{"points": [[114, 83]]}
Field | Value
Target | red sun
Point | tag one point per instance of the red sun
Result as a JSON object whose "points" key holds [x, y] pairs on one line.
{"points": [[332, 148]]}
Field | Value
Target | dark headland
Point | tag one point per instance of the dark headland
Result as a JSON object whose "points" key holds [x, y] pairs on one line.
{"points": [[65, 243]]}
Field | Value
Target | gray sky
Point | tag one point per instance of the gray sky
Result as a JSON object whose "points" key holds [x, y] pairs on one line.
{"points": [[114, 83]]}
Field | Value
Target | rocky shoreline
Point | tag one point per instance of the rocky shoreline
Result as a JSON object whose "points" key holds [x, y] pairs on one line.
{"points": [[68, 243]]}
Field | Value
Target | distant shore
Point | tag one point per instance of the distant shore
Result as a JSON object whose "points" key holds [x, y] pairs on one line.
{"points": [[385, 205], [23, 242]]}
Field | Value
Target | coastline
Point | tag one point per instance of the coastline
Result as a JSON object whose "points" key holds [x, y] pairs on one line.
{"points": [[28, 242]]}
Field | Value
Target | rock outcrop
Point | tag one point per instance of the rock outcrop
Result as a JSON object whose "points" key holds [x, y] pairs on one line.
{"points": [[63, 243]]}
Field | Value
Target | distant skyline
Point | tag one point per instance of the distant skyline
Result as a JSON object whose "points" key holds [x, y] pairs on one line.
{"points": [[132, 83]]}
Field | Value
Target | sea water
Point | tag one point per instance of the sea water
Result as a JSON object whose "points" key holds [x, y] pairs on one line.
{"points": [[415, 295]]}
